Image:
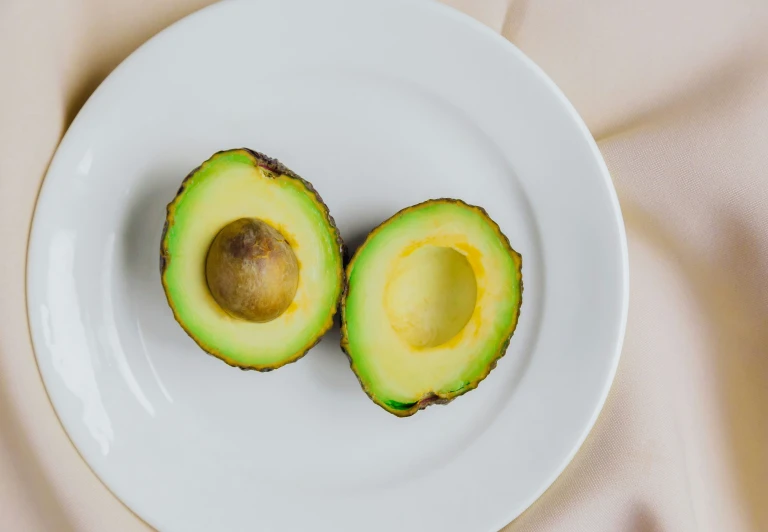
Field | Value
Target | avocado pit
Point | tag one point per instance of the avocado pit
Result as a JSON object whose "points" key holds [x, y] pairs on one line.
{"points": [[251, 270]]}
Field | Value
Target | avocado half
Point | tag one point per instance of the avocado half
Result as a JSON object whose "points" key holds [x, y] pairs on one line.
{"points": [[251, 261], [432, 300]]}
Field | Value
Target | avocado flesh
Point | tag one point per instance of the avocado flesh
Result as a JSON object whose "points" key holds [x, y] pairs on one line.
{"points": [[433, 298], [242, 184]]}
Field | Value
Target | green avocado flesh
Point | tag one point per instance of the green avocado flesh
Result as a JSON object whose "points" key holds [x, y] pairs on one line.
{"points": [[251, 261], [433, 298]]}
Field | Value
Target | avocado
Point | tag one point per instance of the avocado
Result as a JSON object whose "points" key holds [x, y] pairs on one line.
{"points": [[251, 261], [432, 300]]}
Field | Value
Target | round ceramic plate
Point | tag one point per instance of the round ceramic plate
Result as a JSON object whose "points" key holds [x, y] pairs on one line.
{"points": [[380, 104]]}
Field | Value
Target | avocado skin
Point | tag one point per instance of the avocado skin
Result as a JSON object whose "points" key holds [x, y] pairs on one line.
{"points": [[276, 167], [408, 409]]}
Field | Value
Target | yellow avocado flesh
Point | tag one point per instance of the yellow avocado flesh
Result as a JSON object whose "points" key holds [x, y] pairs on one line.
{"points": [[230, 186], [433, 299]]}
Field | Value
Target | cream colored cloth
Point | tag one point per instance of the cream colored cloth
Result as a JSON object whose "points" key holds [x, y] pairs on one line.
{"points": [[676, 92]]}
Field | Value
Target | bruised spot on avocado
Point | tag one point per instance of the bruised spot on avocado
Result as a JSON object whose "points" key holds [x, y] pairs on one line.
{"points": [[412, 407], [430, 399]]}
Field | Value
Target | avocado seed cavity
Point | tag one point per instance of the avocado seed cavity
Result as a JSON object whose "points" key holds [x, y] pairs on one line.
{"points": [[430, 296], [251, 270]]}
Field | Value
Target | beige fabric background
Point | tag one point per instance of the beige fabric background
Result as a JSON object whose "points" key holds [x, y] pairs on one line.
{"points": [[675, 91]]}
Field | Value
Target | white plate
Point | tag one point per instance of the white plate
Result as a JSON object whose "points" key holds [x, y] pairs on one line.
{"points": [[381, 104]]}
